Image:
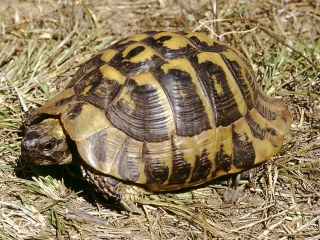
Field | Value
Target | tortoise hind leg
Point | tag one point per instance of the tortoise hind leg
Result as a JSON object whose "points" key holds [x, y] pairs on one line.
{"points": [[126, 195]]}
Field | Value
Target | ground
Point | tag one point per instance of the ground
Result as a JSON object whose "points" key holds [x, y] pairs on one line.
{"points": [[43, 42]]}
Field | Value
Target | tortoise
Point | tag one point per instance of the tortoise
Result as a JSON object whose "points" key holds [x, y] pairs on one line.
{"points": [[158, 111]]}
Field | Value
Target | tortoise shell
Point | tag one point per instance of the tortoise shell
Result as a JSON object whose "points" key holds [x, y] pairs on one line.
{"points": [[169, 110]]}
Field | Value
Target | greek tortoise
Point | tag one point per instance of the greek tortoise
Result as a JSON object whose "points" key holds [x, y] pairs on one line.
{"points": [[158, 111]]}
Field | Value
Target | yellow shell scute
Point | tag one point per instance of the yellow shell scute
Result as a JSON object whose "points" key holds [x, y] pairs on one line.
{"points": [[202, 37], [86, 120], [176, 41], [108, 54], [112, 73], [143, 56]]}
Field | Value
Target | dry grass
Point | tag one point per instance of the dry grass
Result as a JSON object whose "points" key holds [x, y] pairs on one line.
{"points": [[42, 43]]}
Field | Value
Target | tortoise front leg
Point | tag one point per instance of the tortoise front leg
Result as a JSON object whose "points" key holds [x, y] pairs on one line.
{"points": [[126, 195]]}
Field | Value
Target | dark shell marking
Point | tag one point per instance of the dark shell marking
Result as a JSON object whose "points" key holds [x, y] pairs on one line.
{"points": [[75, 110], [181, 169], [187, 108], [243, 151], [156, 173], [202, 167], [131, 119]]}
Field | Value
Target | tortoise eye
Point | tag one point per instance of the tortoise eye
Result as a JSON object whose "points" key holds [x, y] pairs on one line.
{"points": [[48, 146]]}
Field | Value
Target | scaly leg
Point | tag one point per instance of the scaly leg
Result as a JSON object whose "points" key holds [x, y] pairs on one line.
{"points": [[126, 194]]}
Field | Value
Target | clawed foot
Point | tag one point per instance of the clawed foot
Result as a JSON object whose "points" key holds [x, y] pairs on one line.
{"points": [[128, 196]]}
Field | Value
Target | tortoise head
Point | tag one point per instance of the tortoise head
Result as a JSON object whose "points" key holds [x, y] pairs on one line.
{"points": [[45, 143]]}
